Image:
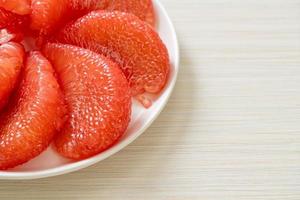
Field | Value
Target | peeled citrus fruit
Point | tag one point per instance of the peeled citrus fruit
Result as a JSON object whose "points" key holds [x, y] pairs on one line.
{"points": [[49, 15], [46, 15], [143, 9], [97, 55], [33, 116], [98, 99], [21, 7], [128, 41], [78, 8], [12, 22], [11, 62]]}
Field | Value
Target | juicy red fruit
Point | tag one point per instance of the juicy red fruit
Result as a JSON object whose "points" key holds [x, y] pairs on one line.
{"points": [[13, 22], [143, 9], [21, 7], [78, 8], [11, 62], [98, 99], [46, 15], [128, 41], [33, 116], [49, 15]]}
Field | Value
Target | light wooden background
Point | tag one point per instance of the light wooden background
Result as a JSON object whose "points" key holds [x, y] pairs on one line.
{"points": [[232, 128]]}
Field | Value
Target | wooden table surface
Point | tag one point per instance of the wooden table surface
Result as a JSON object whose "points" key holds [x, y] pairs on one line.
{"points": [[231, 130]]}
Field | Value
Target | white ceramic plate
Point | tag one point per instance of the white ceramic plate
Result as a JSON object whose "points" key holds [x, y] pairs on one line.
{"points": [[50, 163]]}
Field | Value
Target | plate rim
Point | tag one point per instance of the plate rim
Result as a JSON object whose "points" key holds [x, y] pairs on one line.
{"points": [[65, 169]]}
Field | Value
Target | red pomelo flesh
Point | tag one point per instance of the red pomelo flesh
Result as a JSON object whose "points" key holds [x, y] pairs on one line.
{"points": [[12, 22], [49, 15], [78, 8], [98, 99], [11, 62], [46, 15], [143, 9], [34, 115], [21, 7], [129, 42]]}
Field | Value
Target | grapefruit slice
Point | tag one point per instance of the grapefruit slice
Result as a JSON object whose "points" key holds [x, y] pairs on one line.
{"points": [[34, 115], [128, 41], [49, 15], [78, 8], [12, 25], [46, 15], [11, 62], [21, 7], [143, 9], [98, 99], [11, 20]]}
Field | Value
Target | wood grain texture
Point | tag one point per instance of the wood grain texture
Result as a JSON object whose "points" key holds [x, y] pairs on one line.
{"points": [[232, 128]]}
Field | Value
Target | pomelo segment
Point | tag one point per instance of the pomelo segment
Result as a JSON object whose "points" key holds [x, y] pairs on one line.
{"points": [[21, 7], [12, 22], [11, 62], [12, 26], [129, 42], [143, 9], [49, 15], [98, 99], [78, 8], [46, 15], [33, 116]]}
